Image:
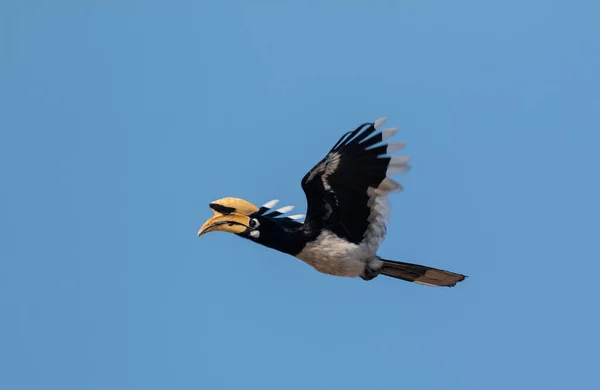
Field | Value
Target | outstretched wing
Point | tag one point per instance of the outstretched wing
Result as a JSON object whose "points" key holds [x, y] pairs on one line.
{"points": [[347, 191]]}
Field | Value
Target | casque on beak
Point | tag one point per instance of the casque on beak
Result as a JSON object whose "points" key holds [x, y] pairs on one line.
{"points": [[230, 215]]}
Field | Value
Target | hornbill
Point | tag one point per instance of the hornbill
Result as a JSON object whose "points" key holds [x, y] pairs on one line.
{"points": [[348, 208]]}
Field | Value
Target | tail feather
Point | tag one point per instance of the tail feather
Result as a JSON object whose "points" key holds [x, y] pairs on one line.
{"points": [[420, 274]]}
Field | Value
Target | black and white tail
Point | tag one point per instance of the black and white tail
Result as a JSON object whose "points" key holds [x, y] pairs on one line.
{"points": [[420, 274]]}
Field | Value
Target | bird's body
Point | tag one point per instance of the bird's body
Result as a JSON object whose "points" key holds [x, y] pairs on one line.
{"points": [[332, 255], [348, 209]]}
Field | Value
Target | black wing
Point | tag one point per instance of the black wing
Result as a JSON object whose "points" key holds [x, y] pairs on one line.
{"points": [[340, 188]]}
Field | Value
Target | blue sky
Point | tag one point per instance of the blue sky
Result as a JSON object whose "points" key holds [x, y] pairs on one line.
{"points": [[120, 121]]}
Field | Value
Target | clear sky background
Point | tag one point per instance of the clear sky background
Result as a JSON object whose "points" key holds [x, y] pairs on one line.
{"points": [[121, 120]]}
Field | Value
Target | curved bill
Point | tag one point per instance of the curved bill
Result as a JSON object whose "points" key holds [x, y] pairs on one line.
{"points": [[231, 223]]}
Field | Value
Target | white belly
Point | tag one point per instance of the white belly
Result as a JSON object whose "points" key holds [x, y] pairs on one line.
{"points": [[332, 255]]}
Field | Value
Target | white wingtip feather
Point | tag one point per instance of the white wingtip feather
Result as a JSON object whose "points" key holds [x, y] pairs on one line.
{"points": [[389, 185], [387, 133], [270, 204], [297, 216], [394, 147], [399, 160], [399, 164], [285, 209], [379, 122], [398, 169]]}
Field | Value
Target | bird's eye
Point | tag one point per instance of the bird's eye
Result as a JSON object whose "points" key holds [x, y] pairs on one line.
{"points": [[254, 223]]}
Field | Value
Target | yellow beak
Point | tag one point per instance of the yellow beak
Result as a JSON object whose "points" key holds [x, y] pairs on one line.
{"points": [[232, 223]]}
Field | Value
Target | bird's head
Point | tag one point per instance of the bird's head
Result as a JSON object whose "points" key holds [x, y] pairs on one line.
{"points": [[259, 224], [233, 215]]}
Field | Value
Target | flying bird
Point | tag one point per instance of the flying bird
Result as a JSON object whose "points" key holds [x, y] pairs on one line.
{"points": [[348, 208]]}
